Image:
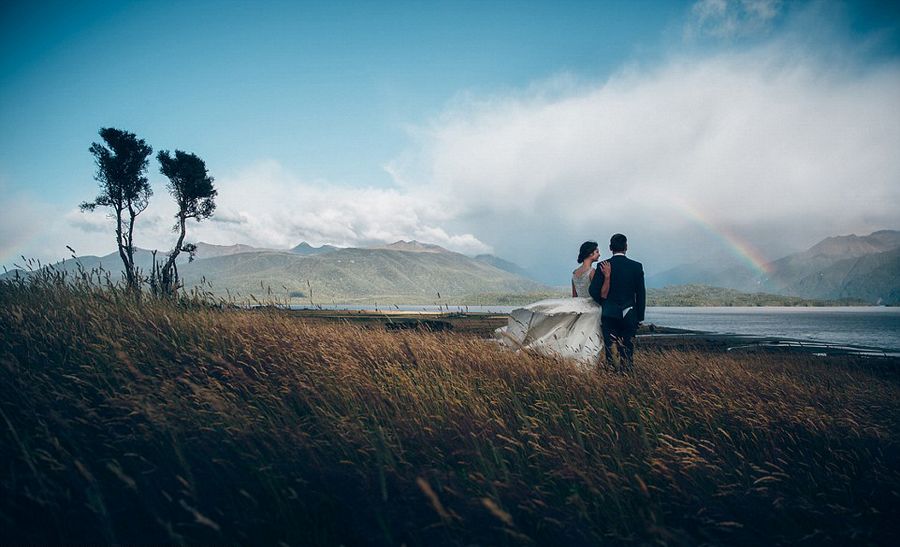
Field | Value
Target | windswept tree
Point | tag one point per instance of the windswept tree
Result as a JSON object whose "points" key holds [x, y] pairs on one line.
{"points": [[192, 188], [121, 167]]}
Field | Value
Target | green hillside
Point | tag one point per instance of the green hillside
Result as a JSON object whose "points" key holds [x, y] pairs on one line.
{"points": [[410, 273], [355, 275], [860, 268], [874, 278], [703, 295]]}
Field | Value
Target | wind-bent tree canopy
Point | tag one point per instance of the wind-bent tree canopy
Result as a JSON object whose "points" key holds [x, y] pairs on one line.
{"points": [[192, 188], [121, 165]]}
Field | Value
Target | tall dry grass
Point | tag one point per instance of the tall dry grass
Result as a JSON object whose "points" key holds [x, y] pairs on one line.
{"points": [[179, 422]]}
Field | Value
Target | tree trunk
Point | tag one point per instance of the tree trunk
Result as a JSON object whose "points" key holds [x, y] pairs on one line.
{"points": [[170, 272], [129, 248], [127, 261]]}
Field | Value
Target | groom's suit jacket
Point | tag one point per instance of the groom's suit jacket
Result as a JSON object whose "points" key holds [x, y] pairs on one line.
{"points": [[626, 288]]}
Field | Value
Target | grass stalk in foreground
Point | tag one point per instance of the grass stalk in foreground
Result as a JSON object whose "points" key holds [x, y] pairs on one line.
{"points": [[170, 422]]}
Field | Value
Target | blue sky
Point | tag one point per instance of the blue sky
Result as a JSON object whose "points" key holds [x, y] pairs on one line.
{"points": [[326, 87], [355, 122]]}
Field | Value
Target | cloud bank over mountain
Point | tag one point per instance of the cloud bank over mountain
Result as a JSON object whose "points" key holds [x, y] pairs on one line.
{"points": [[776, 145], [266, 206]]}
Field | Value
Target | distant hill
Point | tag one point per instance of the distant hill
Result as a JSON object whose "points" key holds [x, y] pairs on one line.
{"points": [[852, 246], [208, 250], [143, 259], [413, 247], [791, 273], [710, 273], [504, 265], [417, 273], [306, 249], [856, 267], [354, 275], [874, 278], [702, 295]]}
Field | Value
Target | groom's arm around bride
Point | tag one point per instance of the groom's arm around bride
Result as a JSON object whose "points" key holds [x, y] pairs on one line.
{"points": [[627, 292]]}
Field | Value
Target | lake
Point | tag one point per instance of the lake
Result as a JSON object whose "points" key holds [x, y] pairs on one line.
{"points": [[867, 326], [875, 327]]}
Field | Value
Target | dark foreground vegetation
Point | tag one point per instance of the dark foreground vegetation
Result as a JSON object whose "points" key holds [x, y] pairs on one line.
{"points": [[175, 421]]}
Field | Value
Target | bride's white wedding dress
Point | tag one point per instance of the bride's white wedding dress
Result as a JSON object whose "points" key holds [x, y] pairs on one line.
{"points": [[569, 327]]}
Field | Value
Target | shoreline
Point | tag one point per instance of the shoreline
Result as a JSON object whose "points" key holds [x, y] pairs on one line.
{"points": [[652, 336], [370, 305]]}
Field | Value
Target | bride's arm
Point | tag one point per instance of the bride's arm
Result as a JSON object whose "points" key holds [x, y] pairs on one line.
{"points": [[574, 294], [606, 269]]}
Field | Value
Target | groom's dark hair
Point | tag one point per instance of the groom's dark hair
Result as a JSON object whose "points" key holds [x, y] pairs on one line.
{"points": [[618, 243]]}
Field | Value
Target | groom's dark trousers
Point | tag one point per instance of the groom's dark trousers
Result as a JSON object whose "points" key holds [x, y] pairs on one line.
{"points": [[619, 331], [623, 308]]}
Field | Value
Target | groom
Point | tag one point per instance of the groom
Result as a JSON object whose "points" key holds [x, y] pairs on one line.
{"points": [[623, 308]]}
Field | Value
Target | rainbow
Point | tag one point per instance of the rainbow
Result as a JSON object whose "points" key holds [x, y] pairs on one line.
{"points": [[739, 247]]}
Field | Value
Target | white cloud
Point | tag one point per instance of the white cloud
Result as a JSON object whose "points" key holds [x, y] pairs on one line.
{"points": [[266, 206], [774, 145], [21, 222], [726, 19]]}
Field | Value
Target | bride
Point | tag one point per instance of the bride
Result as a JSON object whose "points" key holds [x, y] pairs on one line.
{"points": [[569, 327]]}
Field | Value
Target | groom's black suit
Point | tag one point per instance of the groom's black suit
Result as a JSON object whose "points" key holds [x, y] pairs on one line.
{"points": [[627, 296]]}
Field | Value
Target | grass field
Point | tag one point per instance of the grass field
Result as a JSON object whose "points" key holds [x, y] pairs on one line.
{"points": [[180, 422]]}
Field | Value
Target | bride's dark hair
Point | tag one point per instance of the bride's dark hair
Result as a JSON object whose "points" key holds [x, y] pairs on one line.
{"points": [[587, 248]]}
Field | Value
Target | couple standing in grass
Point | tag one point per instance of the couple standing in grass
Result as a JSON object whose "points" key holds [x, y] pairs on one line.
{"points": [[617, 285], [609, 306]]}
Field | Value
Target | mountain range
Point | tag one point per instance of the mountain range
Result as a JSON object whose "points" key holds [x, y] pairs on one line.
{"points": [[852, 268], [408, 272], [865, 268]]}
